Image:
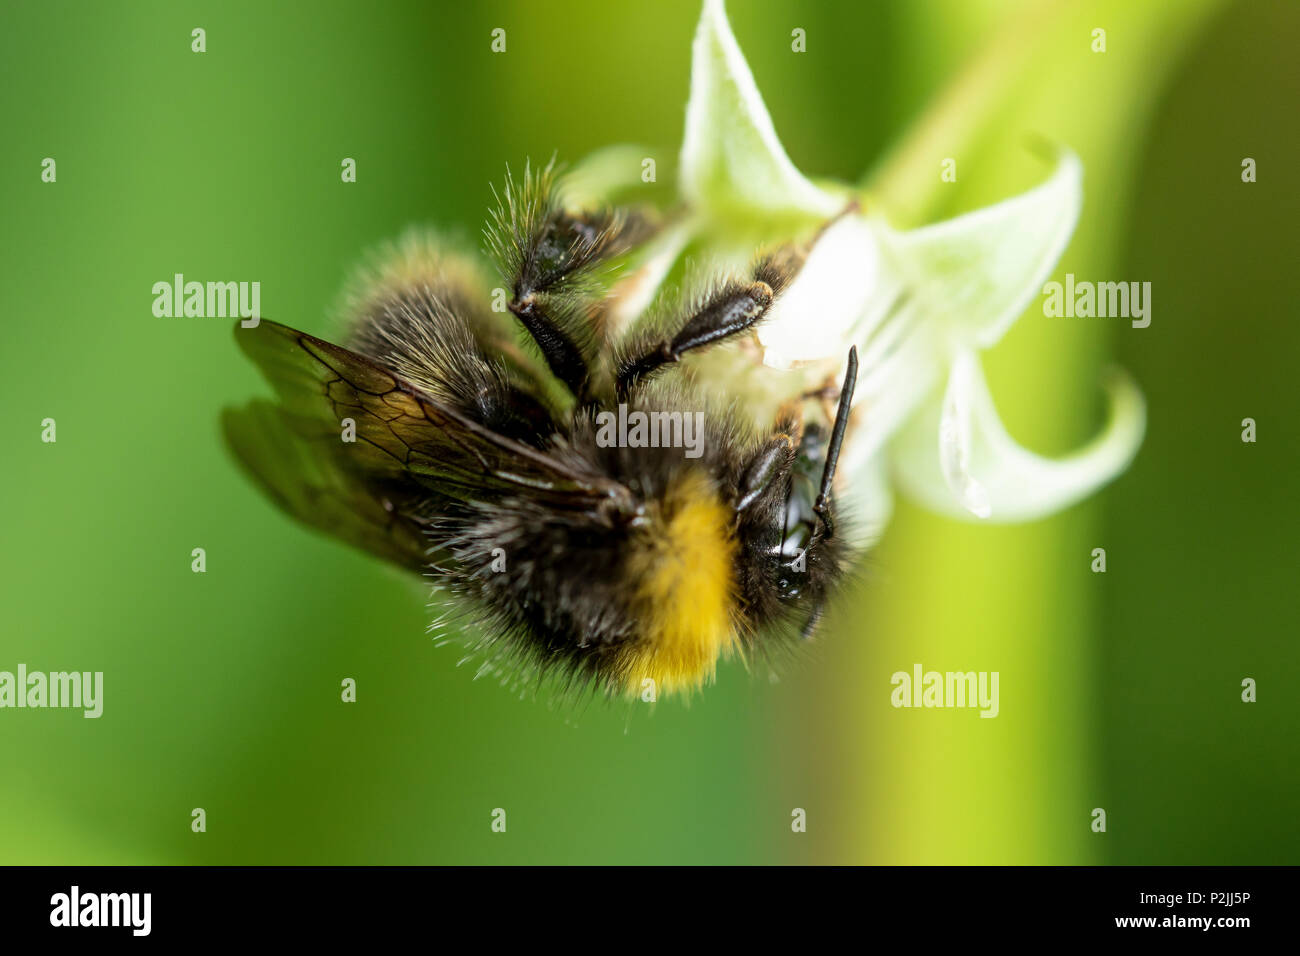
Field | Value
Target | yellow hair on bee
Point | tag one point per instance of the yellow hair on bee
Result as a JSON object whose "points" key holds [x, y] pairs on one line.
{"points": [[684, 568]]}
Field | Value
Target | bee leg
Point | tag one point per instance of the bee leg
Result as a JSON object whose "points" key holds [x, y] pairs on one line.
{"points": [[562, 246], [543, 252], [771, 463], [822, 506], [733, 310], [561, 353]]}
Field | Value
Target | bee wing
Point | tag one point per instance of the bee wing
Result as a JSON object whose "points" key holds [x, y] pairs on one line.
{"points": [[291, 460], [402, 436]]}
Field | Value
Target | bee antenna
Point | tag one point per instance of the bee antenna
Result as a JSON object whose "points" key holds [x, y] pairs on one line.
{"points": [[822, 506]]}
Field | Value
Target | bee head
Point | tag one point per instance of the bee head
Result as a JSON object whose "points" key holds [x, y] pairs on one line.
{"points": [[793, 559]]}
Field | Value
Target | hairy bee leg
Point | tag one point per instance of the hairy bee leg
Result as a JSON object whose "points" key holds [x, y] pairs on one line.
{"points": [[566, 244], [562, 246], [822, 506], [562, 355], [727, 314], [773, 461], [731, 311], [545, 253]]}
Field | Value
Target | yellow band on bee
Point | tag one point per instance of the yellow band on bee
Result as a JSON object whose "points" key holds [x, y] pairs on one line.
{"points": [[684, 568]]}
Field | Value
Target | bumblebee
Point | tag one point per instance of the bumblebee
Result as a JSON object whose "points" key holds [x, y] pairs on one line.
{"points": [[436, 439]]}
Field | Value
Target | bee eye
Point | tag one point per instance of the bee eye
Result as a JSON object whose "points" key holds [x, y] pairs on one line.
{"points": [[791, 575]]}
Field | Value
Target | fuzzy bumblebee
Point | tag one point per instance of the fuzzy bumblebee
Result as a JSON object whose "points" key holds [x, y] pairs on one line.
{"points": [[437, 440]]}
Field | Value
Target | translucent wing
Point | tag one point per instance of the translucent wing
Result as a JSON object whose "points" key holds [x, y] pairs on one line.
{"points": [[407, 447], [303, 477]]}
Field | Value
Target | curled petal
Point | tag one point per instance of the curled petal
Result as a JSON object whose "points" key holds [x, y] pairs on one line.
{"points": [[977, 273], [956, 458], [732, 163]]}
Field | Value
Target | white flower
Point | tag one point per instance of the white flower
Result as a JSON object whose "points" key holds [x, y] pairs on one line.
{"points": [[919, 305]]}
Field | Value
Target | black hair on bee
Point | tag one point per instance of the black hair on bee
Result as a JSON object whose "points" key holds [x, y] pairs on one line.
{"points": [[605, 520]]}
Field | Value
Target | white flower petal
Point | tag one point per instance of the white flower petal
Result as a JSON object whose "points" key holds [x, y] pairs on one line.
{"points": [[732, 163], [840, 284], [977, 273], [864, 502], [955, 437], [887, 395], [976, 466], [896, 374]]}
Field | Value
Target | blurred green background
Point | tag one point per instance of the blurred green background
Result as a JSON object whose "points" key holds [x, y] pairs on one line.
{"points": [[1119, 691]]}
